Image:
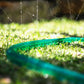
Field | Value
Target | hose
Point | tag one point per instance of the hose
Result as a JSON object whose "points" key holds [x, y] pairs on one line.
{"points": [[44, 67]]}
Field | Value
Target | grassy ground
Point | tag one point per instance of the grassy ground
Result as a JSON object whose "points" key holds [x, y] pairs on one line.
{"points": [[67, 56]]}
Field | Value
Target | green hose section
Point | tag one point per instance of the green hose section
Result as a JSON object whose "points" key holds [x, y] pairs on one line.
{"points": [[44, 67]]}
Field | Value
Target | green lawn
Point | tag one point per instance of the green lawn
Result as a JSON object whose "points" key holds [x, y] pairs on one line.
{"points": [[67, 56]]}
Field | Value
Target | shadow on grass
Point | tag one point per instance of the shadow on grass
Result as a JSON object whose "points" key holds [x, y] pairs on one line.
{"points": [[20, 76], [67, 34], [64, 33], [9, 70]]}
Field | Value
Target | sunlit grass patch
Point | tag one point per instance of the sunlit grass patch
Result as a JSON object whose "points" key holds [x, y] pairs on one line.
{"points": [[56, 54]]}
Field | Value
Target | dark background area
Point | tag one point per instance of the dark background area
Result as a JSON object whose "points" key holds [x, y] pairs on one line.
{"points": [[14, 11]]}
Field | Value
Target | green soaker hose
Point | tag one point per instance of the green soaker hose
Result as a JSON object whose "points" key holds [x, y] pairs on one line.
{"points": [[41, 66]]}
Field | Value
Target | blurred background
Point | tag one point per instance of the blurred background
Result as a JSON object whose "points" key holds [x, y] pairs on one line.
{"points": [[30, 10]]}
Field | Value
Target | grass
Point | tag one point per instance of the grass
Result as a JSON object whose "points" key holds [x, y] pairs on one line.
{"points": [[64, 55]]}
